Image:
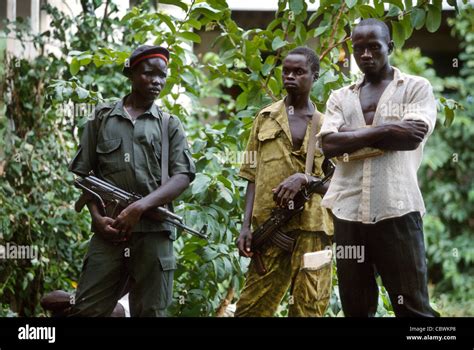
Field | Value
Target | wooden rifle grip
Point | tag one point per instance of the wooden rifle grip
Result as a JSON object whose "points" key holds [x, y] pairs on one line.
{"points": [[259, 264]]}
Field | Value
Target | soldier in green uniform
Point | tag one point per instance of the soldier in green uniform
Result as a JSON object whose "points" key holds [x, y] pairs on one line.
{"points": [[279, 138], [121, 143]]}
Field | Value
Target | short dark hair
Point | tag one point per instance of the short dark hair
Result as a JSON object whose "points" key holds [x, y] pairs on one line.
{"points": [[375, 22], [311, 58]]}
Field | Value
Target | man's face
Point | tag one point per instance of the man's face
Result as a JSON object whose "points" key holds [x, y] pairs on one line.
{"points": [[296, 74], [371, 48], [149, 77]]}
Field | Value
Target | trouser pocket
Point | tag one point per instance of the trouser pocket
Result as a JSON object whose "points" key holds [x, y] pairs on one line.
{"points": [[168, 265]]}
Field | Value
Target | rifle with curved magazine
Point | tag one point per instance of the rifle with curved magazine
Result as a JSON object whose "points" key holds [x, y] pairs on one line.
{"points": [[112, 200], [270, 230]]}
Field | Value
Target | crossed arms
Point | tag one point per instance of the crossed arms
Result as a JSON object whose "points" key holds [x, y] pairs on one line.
{"points": [[405, 135]]}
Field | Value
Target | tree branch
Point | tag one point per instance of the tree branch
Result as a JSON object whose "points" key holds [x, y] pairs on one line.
{"points": [[325, 52], [104, 19]]}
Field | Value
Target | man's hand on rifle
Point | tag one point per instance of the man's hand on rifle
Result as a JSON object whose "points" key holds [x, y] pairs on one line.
{"points": [[129, 217], [289, 187], [244, 242], [102, 225]]}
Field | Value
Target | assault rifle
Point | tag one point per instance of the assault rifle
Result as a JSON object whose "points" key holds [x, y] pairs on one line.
{"points": [[112, 200], [270, 230]]}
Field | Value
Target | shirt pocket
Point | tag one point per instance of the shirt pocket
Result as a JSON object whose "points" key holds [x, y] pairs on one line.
{"points": [[110, 156], [270, 145]]}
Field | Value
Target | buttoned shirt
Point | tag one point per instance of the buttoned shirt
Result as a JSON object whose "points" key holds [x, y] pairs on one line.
{"points": [[128, 154], [370, 189], [272, 144]]}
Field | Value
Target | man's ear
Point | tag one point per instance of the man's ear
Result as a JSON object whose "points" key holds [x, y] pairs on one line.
{"points": [[391, 46], [315, 76]]}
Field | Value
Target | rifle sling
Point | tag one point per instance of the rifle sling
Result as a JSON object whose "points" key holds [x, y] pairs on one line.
{"points": [[312, 142], [165, 146], [165, 152]]}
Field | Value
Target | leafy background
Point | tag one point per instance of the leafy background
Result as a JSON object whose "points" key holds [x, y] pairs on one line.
{"points": [[240, 74]]}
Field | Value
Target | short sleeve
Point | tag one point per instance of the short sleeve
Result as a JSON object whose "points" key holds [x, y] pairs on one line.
{"points": [[85, 159], [333, 119], [248, 169], [181, 160], [422, 105]]}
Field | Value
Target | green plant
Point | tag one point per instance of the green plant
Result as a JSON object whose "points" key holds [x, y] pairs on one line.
{"points": [[36, 195]]}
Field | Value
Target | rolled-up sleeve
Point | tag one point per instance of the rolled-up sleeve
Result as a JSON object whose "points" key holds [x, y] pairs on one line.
{"points": [[181, 160], [333, 119], [85, 159], [248, 170], [422, 105]]}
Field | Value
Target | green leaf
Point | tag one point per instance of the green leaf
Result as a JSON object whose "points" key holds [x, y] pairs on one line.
{"points": [[433, 20], [367, 11], [254, 63], [350, 3], [313, 17], [225, 193], [438, 4], [266, 69], [273, 85], [320, 30], [397, 3], [194, 23], [378, 4], [207, 11], [407, 27], [82, 93], [300, 33], [74, 66], [449, 116], [200, 183], [398, 34], [166, 19], [278, 43], [418, 18], [190, 36], [296, 6], [241, 101], [178, 3], [393, 11]]}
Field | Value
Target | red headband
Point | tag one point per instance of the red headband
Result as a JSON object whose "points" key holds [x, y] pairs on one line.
{"points": [[163, 57]]}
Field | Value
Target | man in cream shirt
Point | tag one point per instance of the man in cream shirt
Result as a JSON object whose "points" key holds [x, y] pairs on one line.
{"points": [[377, 128]]}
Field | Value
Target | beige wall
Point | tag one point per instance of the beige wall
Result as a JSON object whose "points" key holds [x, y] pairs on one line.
{"points": [[30, 10]]}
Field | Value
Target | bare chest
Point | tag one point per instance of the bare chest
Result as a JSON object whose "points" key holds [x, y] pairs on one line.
{"points": [[298, 125], [369, 99]]}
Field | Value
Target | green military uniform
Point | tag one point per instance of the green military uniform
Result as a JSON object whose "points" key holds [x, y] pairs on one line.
{"points": [[271, 139], [127, 154]]}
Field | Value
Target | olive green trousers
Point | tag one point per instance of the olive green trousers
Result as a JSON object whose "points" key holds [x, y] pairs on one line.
{"points": [[144, 266], [310, 290]]}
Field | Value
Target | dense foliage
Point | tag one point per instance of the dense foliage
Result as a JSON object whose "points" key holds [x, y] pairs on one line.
{"points": [[39, 132]]}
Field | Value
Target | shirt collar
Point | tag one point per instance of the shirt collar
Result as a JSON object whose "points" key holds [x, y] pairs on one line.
{"points": [[398, 76], [277, 111], [118, 109]]}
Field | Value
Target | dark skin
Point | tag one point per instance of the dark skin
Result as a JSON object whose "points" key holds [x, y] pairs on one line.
{"points": [[147, 79], [298, 80], [371, 51]]}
